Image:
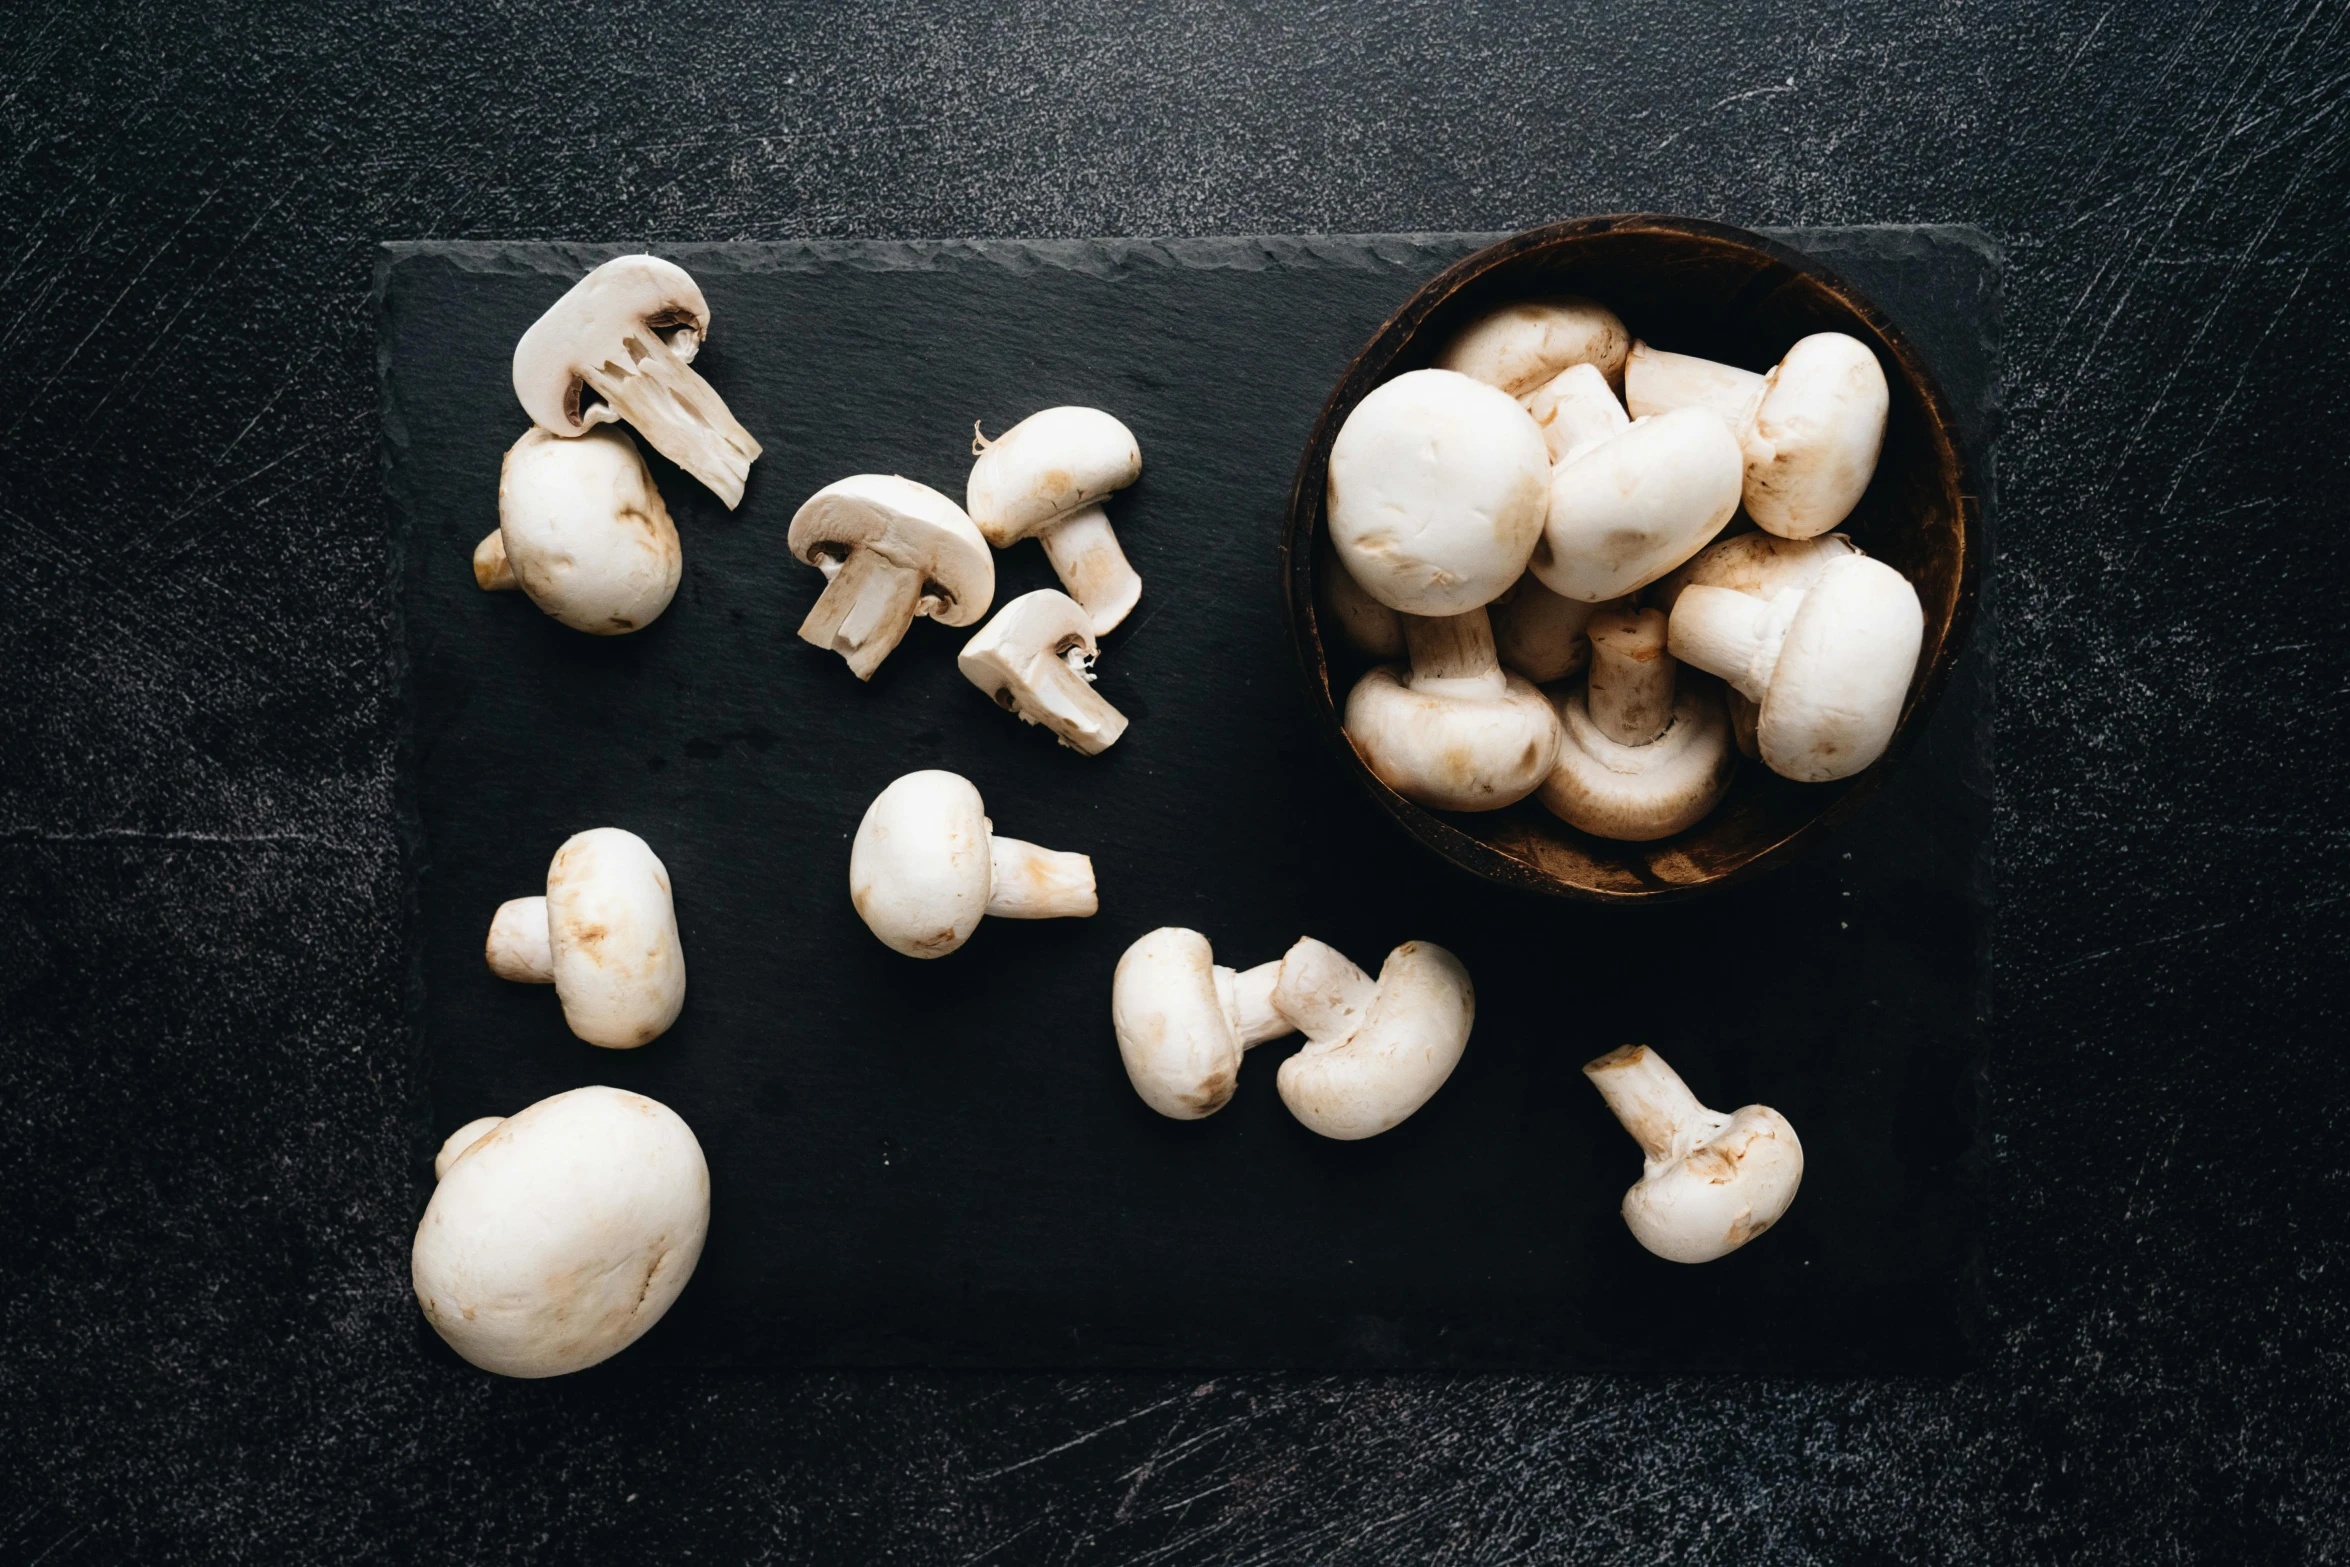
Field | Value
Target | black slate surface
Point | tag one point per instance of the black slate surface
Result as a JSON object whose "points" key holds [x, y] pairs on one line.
{"points": [[942, 1163], [207, 1349]]}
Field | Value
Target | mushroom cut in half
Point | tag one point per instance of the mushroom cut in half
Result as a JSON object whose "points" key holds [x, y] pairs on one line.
{"points": [[1518, 346], [1629, 501], [559, 1234], [1184, 1021], [1035, 659], [628, 333], [582, 532], [1045, 478], [1456, 731], [1376, 1050], [1643, 755], [927, 866], [604, 935], [890, 550], [1711, 1182]]}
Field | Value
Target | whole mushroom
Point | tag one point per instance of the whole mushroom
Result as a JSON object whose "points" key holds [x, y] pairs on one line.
{"points": [[604, 935], [1627, 507], [1035, 659], [559, 1234], [1518, 346], [1711, 1182], [582, 532], [1643, 755], [1376, 1050], [926, 867], [1184, 1021], [1764, 565], [1455, 732], [890, 550], [1044, 478]]}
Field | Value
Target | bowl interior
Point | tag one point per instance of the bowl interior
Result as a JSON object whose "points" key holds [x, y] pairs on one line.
{"points": [[1725, 294]]}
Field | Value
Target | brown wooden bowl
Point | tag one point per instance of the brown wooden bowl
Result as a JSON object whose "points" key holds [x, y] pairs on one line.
{"points": [[1696, 288]]}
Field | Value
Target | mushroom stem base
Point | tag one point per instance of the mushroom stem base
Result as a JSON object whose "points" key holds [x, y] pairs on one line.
{"points": [[1086, 556], [864, 610], [1655, 1106], [1031, 883]]}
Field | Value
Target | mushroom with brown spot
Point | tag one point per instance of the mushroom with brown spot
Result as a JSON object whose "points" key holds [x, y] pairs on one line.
{"points": [[582, 532], [1644, 754], [1710, 1182], [1455, 731], [1764, 565], [1376, 1050], [1035, 659], [891, 551], [1540, 635], [1184, 1021], [927, 866], [1045, 478], [1518, 346], [604, 935]]}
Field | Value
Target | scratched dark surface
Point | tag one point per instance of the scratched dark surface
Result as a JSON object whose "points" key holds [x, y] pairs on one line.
{"points": [[206, 1345]]}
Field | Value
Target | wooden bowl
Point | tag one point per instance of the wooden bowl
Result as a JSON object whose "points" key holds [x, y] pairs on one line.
{"points": [[1697, 288]]}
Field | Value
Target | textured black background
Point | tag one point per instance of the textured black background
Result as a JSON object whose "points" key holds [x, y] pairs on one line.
{"points": [[209, 1348]]}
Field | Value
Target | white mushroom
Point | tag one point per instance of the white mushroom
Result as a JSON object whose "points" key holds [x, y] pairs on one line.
{"points": [[1629, 501], [1639, 759], [628, 332], [890, 549], [559, 1234], [1438, 487], [1375, 1051], [582, 531], [1764, 565], [1036, 659], [1711, 1182], [1184, 1021], [1830, 663], [926, 865], [1811, 429], [1575, 408], [1518, 346], [605, 936], [1043, 478], [1361, 621], [1538, 634], [1457, 732]]}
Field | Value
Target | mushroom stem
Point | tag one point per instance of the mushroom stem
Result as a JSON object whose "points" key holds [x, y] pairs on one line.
{"points": [[1732, 634], [1656, 382], [1648, 1096], [492, 571], [1029, 883], [1630, 692], [867, 604], [1453, 655], [461, 1143], [1322, 991], [1254, 1017], [1576, 409], [1086, 556], [520, 947], [678, 412]]}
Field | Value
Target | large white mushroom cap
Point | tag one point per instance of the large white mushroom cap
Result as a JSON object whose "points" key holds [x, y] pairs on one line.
{"points": [[1047, 466], [1184, 1021], [1630, 508], [1374, 1053], [583, 531], [1520, 345], [612, 929]]}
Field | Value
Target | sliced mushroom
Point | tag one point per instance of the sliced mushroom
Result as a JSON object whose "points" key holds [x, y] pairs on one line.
{"points": [[1629, 507], [1043, 479], [1375, 1051], [1361, 621], [605, 936], [1711, 1182], [1540, 635], [582, 531], [926, 866], [628, 332], [1184, 1021], [1456, 732], [1520, 345], [1035, 659], [1640, 759], [890, 550], [559, 1234]]}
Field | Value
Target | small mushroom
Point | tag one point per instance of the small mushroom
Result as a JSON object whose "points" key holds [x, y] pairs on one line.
{"points": [[1811, 429], [1638, 760], [1712, 1182], [1361, 621], [1626, 508], [1830, 664], [559, 1234], [890, 550], [1043, 478], [1035, 659], [926, 865], [1438, 488], [628, 332], [1540, 635], [1184, 1021], [605, 936], [582, 532], [1456, 732], [1575, 408], [1375, 1051], [1518, 346]]}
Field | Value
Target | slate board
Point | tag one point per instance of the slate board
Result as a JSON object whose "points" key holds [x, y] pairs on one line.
{"points": [[942, 1163]]}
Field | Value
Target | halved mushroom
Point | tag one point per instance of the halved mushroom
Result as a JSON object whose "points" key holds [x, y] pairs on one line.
{"points": [[890, 550], [1518, 346], [1538, 634], [1035, 659], [604, 935], [1811, 429], [1360, 621], [628, 332], [1457, 731], [1640, 759], [559, 1234], [1830, 664], [1043, 478], [1184, 1021], [582, 531], [1375, 1050], [1711, 1182], [926, 866], [1626, 508]]}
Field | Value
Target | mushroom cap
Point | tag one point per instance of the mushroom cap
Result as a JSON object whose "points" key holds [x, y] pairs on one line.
{"points": [[1046, 466], [1734, 1179], [1175, 1032], [557, 1239], [586, 534], [1762, 565], [1639, 793], [589, 325], [910, 524], [1438, 488], [1836, 691], [1410, 1040], [619, 967], [920, 870], [1631, 508], [1518, 346], [1449, 752], [1813, 446]]}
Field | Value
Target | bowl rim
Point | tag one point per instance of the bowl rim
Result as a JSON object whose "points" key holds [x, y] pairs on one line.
{"points": [[1432, 831]]}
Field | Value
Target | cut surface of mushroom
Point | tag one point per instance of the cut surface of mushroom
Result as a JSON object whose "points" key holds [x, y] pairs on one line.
{"points": [[1184, 1021], [628, 332], [1044, 478], [1762, 564], [1711, 1182], [582, 531], [1540, 635], [556, 1236], [605, 935], [926, 867], [890, 550], [1375, 1051], [1518, 346], [1360, 621], [1456, 731], [1643, 754], [1035, 659], [1628, 508]]}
